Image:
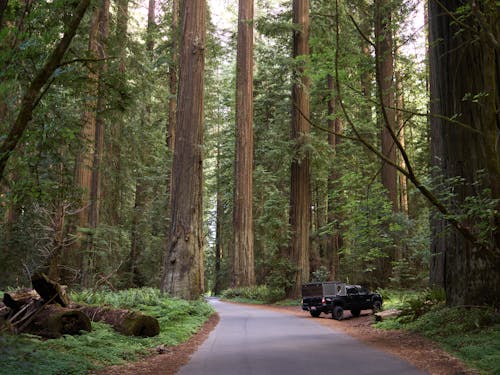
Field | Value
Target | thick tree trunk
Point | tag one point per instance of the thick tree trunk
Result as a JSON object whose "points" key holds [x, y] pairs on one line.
{"points": [[243, 255], [87, 170], [183, 268], [300, 191], [385, 72], [465, 83]]}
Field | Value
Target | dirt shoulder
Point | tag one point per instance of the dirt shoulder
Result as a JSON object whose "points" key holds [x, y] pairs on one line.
{"points": [[419, 351]]}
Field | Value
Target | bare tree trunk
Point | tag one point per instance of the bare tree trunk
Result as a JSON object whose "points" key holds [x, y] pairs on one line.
{"points": [[403, 183], [385, 73], [218, 224], [142, 198], [300, 191], [335, 239], [243, 256], [114, 188], [174, 62], [183, 271], [87, 173]]}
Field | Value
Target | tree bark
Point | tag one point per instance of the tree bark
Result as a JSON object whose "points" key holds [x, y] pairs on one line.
{"points": [[31, 96], [87, 170], [243, 255], [300, 191], [464, 82], [183, 270], [127, 322], [384, 73], [334, 239], [403, 183]]}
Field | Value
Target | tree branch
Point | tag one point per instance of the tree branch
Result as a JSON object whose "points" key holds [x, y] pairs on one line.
{"points": [[29, 99]]}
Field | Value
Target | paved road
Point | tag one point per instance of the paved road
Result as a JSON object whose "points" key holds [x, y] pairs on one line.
{"points": [[253, 341]]}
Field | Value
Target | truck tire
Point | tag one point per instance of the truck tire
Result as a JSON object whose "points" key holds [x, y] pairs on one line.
{"points": [[355, 313], [315, 314], [377, 306], [338, 313]]}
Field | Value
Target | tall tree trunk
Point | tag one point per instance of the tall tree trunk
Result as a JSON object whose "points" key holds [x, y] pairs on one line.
{"points": [[114, 185], [218, 222], [300, 190], [335, 239], [384, 73], [172, 73], [403, 183], [465, 82], [142, 191], [183, 269], [243, 255], [87, 170]]}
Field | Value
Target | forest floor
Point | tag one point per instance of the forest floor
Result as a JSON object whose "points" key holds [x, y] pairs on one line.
{"points": [[417, 350]]}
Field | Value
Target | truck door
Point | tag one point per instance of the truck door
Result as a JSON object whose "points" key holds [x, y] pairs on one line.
{"points": [[352, 298]]}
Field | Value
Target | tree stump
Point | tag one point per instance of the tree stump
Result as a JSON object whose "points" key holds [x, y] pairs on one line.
{"points": [[49, 290]]}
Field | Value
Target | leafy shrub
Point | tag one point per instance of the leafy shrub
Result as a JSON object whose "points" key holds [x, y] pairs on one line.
{"points": [[418, 305], [261, 293], [321, 274]]}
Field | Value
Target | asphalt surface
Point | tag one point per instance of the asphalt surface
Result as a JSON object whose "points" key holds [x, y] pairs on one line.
{"points": [[253, 341]]}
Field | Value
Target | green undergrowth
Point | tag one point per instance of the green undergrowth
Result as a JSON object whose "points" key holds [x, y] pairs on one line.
{"points": [[179, 319], [260, 294], [469, 333]]}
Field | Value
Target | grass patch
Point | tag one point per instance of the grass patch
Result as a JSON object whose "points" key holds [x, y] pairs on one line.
{"points": [[75, 355]]}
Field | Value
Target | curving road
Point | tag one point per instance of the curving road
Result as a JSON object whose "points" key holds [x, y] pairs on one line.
{"points": [[253, 341]]}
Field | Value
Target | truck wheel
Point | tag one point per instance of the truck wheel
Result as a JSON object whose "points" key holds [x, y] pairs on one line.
{"points": [[377, 306], [315, 314], [355, 313], [338, 313]]}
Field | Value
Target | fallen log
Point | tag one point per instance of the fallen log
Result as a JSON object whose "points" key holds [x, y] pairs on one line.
{"points": [[127, 322], [387, 314], [16, 300], [52, 321]]}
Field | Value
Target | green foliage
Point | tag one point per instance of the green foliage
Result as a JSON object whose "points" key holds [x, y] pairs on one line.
{"points": [[321, 274], [179, 319], [254, 294], [470, 333]]}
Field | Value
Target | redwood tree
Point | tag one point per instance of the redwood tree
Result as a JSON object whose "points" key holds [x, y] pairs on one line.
{"points": [[385, 82], [183, 264], [465, 94], [300, 189], [243, 255]]}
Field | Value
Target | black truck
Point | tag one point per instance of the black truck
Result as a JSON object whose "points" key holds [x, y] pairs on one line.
{"points": [[334, 297]]}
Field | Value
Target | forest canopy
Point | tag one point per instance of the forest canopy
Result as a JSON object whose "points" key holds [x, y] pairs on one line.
{"points": [[197, 147]]}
